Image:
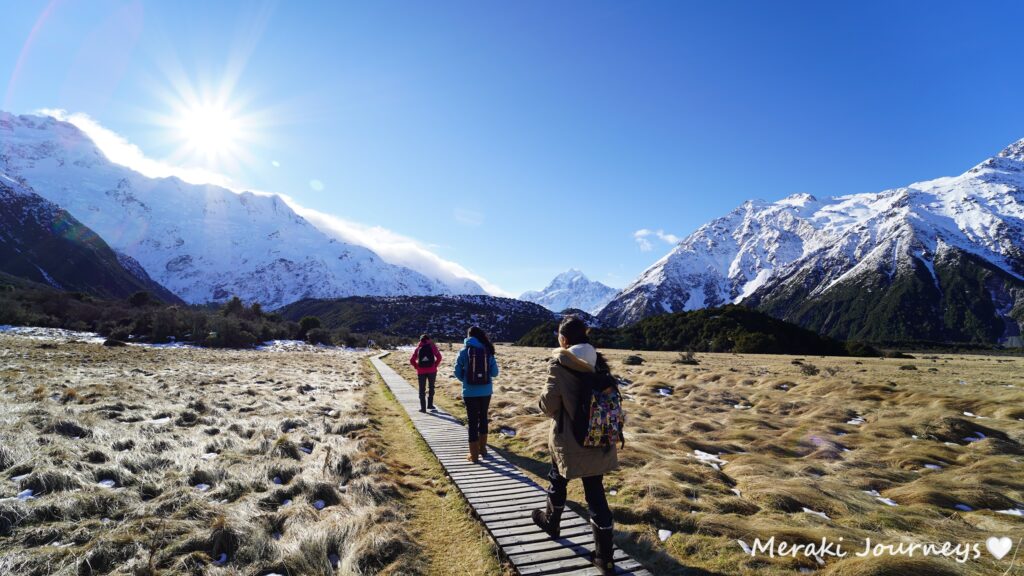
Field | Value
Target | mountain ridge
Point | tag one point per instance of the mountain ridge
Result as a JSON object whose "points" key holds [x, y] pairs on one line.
{"points": [[203, 242], [915, 249], [43, 243]]}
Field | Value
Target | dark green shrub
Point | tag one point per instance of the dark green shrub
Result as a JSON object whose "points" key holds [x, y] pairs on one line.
{"points": [[234, 307], [229, 332], [809, 370], [632, 360], [308, 323], [319, 336], [140, 299], [862, 350]]}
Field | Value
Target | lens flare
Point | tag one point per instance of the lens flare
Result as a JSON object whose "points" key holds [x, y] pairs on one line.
{"points": [[210, 131]]}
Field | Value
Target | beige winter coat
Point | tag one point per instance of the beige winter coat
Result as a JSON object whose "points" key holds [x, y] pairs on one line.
{"points": [[560, 398]]}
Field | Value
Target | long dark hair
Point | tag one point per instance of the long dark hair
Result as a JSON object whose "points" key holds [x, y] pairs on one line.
{"points": [[478, 333], [575, 330]]}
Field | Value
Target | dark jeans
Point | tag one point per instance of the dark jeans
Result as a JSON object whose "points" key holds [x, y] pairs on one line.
{"points": [[424, 379], [476, 413], [593, 487]]}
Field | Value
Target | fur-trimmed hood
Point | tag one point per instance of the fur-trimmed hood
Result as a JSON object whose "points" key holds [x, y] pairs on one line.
{"points": [[571, 361]]}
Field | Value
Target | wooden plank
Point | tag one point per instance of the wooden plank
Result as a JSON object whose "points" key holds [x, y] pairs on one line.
{"points": [[567, 521], [530, 500], [503, 495], [507, 537], [559, 554]]}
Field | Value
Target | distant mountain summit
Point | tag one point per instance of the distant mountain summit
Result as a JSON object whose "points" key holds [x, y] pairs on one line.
{"points": [[204, 243], [41, 242], [572, 289], [939, 260]]}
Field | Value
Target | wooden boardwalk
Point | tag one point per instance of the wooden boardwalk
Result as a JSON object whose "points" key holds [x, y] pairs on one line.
{"points": [[502, 496]]}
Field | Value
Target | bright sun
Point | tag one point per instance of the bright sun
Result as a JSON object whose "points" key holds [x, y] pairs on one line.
{"points": [[210, 131]]}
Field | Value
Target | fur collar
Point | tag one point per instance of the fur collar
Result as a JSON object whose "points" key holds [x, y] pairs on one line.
{"points": [[570, 361]]}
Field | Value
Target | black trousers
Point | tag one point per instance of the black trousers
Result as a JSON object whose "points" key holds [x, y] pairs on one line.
{"points": [[593, 488], [476, 414], [424, 379]]}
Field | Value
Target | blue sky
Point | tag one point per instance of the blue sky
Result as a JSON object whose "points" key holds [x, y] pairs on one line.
{"points": [[519, 139]]}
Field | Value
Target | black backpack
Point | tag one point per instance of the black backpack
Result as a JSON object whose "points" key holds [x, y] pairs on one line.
{"points": [[478, 368], [426, 359]]}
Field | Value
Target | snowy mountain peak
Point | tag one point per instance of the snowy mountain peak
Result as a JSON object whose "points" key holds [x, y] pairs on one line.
{"points": [[568, 278], [203, 242], [800, 200], [1014, 151], [788, 256], [572, 289]]}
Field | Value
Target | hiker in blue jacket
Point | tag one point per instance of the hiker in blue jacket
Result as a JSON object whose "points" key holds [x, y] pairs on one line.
{"points": [[476, 368]]}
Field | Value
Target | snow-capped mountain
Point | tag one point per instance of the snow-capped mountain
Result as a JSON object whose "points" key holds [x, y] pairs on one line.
{"points": [[936, 260], [572, 289], [41, 242], [204, 243]]}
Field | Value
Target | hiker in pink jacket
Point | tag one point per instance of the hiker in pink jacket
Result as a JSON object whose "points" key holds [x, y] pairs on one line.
{"points": [[425, 359]]}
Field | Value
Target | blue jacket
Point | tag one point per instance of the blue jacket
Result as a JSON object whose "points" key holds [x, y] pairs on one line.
{"points": [[474, 390]]}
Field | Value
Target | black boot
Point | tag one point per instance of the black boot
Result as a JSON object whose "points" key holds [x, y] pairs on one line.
{"points": [[603, 552], [423, 404], [549, 518], [430, 402]]}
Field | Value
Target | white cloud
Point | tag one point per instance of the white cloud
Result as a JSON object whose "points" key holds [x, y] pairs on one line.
{"points": [[643, 238], [121, 151], [392, 247]]}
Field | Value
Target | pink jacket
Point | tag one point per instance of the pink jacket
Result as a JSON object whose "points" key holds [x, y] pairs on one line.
{"points": [[414, 360]]}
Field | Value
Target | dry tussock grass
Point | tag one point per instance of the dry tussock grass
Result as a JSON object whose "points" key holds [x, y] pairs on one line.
{"points": [[825, 434], [145, 461]]}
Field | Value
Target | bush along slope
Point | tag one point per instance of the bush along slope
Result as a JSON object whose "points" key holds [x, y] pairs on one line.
{"points": [[446, 318], [726, 329], [144, 318]]}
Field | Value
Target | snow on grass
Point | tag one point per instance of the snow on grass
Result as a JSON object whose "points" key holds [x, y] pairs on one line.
{"points": [[709, 459], [816, 513]]}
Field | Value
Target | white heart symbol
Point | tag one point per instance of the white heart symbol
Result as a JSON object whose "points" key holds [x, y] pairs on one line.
{"points": [[999, 547]]}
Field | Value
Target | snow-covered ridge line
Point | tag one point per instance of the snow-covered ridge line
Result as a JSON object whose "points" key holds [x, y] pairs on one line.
{"points": [[811, 246], [205, 243]]}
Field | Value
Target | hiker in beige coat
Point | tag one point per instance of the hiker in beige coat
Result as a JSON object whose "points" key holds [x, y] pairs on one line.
{"points": [[569, 460]]}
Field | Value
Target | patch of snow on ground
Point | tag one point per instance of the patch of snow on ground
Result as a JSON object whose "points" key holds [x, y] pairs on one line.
{"points": [[816, 513], [709, 459], [52, 334]]}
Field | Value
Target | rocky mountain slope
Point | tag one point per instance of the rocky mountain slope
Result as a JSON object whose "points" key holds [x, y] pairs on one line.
{"points": [[940, 260], [204, 243], [43, 243], [572, 289], [445, 318]]}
